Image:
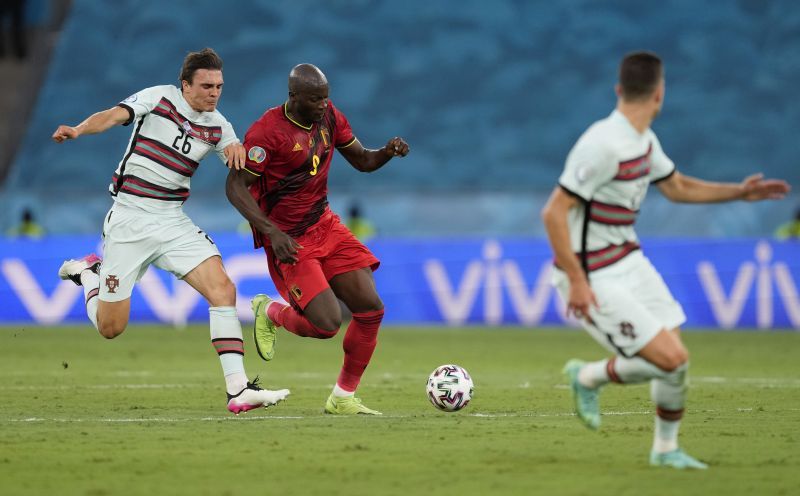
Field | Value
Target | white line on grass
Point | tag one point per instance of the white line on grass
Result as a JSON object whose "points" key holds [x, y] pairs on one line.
{"points": [[104, 386], [316, 417], [264, 417], [772, 382], [153, 419]]}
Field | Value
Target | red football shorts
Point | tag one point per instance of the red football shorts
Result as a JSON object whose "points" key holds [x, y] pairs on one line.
{"points": [[329, 249]]}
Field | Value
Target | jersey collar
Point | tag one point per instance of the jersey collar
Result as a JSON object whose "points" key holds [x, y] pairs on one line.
{"points": [[286, 114], [620, 117]]}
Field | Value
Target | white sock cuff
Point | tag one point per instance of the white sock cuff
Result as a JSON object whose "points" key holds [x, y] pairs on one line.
{"points": [[224, 323], [222, 311], [341, 393], [89, 279], [633, 370]]}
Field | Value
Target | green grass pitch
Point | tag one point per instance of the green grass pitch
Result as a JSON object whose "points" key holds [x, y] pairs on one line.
{"points": [[145, 414]]}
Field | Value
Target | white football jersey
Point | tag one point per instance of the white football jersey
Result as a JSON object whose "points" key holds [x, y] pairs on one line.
{"points": [[168, 142], [609, 169]]}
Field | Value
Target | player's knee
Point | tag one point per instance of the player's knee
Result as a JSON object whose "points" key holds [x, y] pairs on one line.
{"points": [[376, 304], [110, 328], [372, 303], [675, 359], [329, 326], [223, 294], [323, 334]]}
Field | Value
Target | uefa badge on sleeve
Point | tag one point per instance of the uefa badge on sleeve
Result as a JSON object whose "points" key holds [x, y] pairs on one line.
{"points": [[256, 154]]}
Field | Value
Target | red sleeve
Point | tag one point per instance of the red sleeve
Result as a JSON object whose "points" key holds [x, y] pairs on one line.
{"points": [[257, 144], [344, 135]]}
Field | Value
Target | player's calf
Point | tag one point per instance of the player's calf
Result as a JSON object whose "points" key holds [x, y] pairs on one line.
{"points": [[110, 329], [112, 318]]}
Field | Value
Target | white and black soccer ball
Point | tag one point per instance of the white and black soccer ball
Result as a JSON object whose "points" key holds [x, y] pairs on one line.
{"points": [[449, 388]]}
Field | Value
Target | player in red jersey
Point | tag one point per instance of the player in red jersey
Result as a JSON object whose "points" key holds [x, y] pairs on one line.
{"points": [[313, 259]]}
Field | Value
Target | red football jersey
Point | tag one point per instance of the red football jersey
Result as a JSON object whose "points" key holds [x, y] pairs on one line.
{"points": [[292, 162]]}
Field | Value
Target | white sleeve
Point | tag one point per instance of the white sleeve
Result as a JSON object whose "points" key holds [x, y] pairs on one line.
{"points": [[661, 165], [142, 102], [228, 137], [589, 166]]}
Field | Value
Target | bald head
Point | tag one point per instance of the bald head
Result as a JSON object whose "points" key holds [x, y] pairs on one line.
{"points": [[308, 94], [306, 76]]}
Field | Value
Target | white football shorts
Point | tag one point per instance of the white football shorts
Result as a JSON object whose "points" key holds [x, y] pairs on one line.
{"points": [[634, 304], [134, 239]]}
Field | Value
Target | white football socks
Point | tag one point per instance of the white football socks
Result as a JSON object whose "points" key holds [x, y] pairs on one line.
{"points": [[91, 289], [341, 393], [669, 396], [593, 374], [666, 435], [227, 331]]}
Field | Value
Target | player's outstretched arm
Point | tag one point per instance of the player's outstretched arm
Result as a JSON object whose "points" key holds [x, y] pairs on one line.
{"points": [[366, 160], [687, 189], [236, 189], [96, 123]]}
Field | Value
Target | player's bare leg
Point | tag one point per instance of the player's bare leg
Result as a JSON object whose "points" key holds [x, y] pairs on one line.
{"points": [[324, 313], [112, 317], [320, 319], [211, 281]]}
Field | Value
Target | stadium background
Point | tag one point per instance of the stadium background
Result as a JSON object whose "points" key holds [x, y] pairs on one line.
{"points": [[490, 96]]}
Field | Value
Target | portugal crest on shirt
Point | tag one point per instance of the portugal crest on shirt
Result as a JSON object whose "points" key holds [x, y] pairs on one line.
{"points": [[112, 283]]}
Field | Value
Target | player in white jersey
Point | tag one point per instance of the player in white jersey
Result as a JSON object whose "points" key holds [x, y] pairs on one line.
{"points": [[602, 274], [174, 129]]}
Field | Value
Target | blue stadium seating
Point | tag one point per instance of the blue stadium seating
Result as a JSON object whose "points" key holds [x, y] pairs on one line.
{"points": [[490, 95]]}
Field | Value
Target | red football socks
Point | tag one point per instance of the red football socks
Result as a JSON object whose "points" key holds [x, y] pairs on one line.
{"points": [[359, 343]]}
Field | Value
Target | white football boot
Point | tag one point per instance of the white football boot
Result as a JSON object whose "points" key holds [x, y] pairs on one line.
{"points": [[252, 397], [71, 269]]}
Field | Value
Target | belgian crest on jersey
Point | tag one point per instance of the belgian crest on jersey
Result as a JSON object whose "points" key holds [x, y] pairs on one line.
{"points": [[326, 139], [297, 293]]}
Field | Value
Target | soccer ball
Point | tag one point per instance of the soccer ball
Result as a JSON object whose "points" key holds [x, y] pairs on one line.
{"points": [[449, 388]]}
